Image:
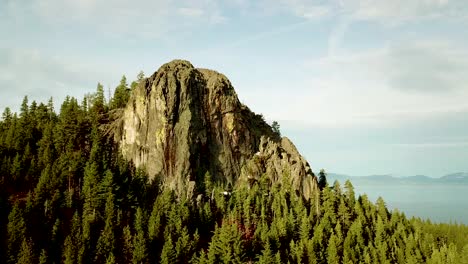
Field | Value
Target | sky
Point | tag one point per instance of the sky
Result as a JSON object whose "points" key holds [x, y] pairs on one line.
{"points": [[361, 86]]}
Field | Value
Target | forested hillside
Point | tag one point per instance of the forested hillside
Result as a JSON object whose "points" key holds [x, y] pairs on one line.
{"points": [[67, 196]]}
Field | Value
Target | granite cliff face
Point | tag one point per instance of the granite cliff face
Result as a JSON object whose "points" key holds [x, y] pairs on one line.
{"points": [[182, 122]]}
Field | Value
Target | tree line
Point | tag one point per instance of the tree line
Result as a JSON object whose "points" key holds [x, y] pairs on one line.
{"points": [[67, 196]]}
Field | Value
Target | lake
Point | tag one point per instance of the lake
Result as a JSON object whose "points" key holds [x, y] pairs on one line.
{"points": [[438, 202]]}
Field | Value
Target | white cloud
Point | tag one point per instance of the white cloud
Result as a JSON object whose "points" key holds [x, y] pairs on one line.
{"points": [[427, 67], [190, 12], [462, 144], [308, 9], [146, 18], [422, 66], [391, 12], [40, 76], [380, 87], [397, 10]]}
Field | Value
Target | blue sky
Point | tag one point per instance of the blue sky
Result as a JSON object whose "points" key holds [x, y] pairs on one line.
{"points": [[362, 87]]}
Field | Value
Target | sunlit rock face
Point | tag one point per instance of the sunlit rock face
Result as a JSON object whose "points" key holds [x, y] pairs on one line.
{"points": [[183, 122]]}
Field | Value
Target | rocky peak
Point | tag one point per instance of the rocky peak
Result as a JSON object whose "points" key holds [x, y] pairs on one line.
{"points": [[183, 122]]}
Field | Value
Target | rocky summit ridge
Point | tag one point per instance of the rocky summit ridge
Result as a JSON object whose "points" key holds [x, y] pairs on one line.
{"points": [[183, 122]]}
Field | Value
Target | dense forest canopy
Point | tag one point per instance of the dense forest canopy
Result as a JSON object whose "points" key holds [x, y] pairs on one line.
{"points": [[67, 196]]}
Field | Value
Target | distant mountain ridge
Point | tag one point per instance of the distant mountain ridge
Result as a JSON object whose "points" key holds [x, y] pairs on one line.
{"points": [[453, 178]]}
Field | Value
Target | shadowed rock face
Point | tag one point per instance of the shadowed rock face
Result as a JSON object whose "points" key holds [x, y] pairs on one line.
{"points": [[182, 122]]}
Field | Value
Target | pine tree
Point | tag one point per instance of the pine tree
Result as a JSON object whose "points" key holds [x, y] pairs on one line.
{"points": [[121, 94], [127, 245], [91, 187], [267, 256], [43, 258], [184, 245], [50, 108], [99, 101], [7, 116], [226, 245], [337, 188], [322, 182], [343, 213], [26, 255], [349, 193], [16, 230], [353, 243], [90, 192], [140, 254], [69, 251], [106, 242], [140, 78], [24, 111], [73, 247], [305, 228], [168, 255], [382, 209], [332, 250], [276, 128]]}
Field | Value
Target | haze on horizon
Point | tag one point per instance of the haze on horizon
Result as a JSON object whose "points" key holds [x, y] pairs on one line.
{"points": [[362, 87]]}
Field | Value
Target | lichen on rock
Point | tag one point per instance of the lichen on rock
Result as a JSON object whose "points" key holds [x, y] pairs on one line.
{"points": [[182, 122]]}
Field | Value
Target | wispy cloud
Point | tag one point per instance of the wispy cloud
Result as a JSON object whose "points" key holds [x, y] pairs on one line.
{"points": [[422, 66], [190, 12], [308, 9], [149, 19], [427, 67], [388, 12], [40, 76], [463, 144], [379, 87]]}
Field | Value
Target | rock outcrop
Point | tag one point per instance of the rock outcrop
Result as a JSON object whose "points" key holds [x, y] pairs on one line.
{"points": [[279, 160], [182, 122]]}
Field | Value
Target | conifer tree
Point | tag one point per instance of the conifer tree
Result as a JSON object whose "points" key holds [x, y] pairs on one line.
{"points": [[332, 250], [106, 242], [349, 193], [127, 245], [226, 245], [69, 251], [322, 182], [168, 255], [99, 101], [16, 233], [43, 259], [268, 257], [121, 94], [26, 254], [140, 78], [140, 254]]}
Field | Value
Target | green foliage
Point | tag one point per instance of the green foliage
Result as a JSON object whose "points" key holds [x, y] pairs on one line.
{"points": [[43, 257], [16, 229], [66, 196], [226, 245], [121, 94], [276, 128], [106, 242], [322, 181], [140, 78], [98, 100], [26, 255], [140, 253], [168, 255]]}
